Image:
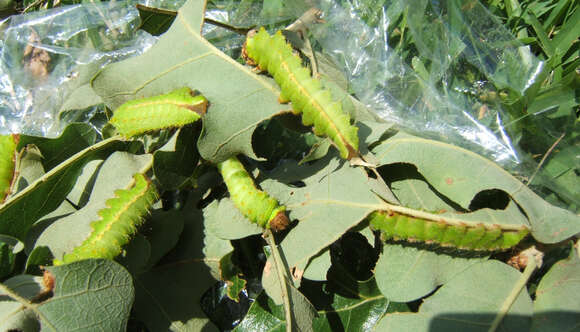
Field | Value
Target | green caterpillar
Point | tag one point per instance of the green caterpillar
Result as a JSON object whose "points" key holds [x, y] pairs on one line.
{"points": [[256, 205], [8, 144], [174, 109], [468, 236], [117, 223], [308, 97]]}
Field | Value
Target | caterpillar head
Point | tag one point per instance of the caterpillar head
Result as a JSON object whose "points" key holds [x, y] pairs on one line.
{"points": [[280, 222]]}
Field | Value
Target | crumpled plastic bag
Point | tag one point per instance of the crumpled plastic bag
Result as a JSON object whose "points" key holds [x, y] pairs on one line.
{"points": [[470, 55], [456, 82], [454, 86], [47, 56]]}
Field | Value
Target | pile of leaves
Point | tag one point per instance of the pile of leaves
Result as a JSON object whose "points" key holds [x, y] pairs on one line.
{"points": [[197, 263]]}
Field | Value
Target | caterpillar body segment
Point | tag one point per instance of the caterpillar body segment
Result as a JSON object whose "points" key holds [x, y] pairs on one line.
{"points": [[476, 236], [255, 204], [8, 145], [118, 222], [175, 109], [309, 98]]}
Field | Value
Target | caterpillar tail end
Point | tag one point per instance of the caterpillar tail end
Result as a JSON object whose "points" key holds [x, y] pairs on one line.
{"points": [[280, 222], [351, 152]]}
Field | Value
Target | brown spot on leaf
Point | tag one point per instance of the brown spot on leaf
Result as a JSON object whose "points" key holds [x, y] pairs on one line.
{"points": [[449, 181], [267, 268], [297, 273]]}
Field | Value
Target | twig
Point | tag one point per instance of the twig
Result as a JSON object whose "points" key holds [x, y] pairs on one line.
{"points": [[545, 157], [310, 17], [34, 4], [505, 307], [281, 277], [156, 10], [240, 31]]}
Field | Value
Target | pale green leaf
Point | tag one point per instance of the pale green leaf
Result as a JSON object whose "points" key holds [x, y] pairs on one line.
{"points": [[468, 302], [239, 99], [65, 234], [335, 198], [405, 273], [46, 193], [460, 174], [225, 221], [557, 305], [168, 296], [318, 266], [175, 162]]}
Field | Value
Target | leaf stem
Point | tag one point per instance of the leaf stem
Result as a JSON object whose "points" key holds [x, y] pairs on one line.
{"points": [[281, 277], [532, 265]]}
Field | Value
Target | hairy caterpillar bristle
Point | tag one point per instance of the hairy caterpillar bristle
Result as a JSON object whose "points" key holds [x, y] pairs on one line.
{"points": [[256, 205], [175, 109], [117, 223], [309, 98], [8, 144], [468, 236]]}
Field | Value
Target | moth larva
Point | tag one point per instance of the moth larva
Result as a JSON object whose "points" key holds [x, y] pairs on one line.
{"points": [[117, 223], [8, 144], [254, 204], [309, 98], [468, 236], [174, 109]]}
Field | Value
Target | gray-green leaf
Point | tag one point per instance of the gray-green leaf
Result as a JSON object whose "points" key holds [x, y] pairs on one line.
{"points": [[460, 174], [468, 302], [557, 305], [239, 99]]}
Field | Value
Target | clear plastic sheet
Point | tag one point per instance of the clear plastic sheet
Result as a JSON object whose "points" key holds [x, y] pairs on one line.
{"points": [[457, 40], [472, 60], [456, 82], [244, 15], [163, 4], [46, 55], [464, 79], [454, 85]]}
